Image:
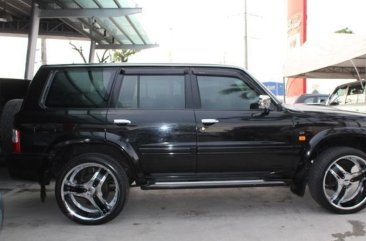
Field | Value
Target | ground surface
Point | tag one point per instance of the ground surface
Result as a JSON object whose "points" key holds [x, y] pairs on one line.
{"points": [[174, 215]]}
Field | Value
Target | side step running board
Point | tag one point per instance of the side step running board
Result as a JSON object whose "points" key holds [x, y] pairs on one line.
{"points": [[212, 184]]}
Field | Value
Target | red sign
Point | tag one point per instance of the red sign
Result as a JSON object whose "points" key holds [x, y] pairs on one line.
{"points": [[296, 33]]}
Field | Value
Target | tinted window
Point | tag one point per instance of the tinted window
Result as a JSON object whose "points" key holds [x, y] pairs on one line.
{"points": [[226, 93], [310, 100], [128, 95], [152, 92], [80, 88]]}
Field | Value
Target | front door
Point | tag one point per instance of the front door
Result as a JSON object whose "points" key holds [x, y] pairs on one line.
{"points": [[234, 136]]}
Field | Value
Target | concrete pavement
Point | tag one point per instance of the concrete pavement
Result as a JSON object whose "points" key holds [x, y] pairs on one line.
{"points": [[207, 214]]}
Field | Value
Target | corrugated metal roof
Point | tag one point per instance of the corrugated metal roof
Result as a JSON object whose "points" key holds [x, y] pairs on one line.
{"points": [[104, 30]]}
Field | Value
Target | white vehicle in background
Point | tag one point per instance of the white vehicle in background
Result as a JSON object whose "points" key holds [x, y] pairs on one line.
{"points": [[350, 97]]}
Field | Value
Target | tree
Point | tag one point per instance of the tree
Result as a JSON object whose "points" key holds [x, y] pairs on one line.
{"points": [[345, 30], [122, 55], [105, 56], [78, 49], [108, 55]]}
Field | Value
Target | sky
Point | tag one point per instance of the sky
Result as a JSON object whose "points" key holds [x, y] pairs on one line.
{"points": [[208, 31]]}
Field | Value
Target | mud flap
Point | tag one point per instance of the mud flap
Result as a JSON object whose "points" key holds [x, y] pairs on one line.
{"points": [[298, 186]]}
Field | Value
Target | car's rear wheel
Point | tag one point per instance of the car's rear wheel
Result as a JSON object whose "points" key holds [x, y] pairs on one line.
{"points": [[337, 180], [92, 189]]}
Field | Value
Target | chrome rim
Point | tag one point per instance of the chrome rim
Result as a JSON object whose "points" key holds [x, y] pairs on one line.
{"points": [[344, 182], [89, 191]]}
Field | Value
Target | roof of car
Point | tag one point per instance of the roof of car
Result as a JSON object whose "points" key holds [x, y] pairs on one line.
{"points": [[351, 83], [144, 65], [310, 95]]}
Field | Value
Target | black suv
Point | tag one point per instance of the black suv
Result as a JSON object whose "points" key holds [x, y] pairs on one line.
{"points": [[100, 129]]}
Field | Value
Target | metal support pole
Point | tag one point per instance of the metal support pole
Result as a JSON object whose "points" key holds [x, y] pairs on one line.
{"points": [[44, 51], [92, 51], [284, 91], [32, 42]]}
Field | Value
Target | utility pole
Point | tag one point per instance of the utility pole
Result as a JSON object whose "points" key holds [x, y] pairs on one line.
{"points": [[245, 36]]}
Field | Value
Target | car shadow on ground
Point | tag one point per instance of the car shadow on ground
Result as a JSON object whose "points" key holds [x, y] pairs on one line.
{"points": [[25, 208], [270, 213]]}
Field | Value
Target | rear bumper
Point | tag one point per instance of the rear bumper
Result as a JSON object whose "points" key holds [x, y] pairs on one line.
{"points": [[26, 166]]}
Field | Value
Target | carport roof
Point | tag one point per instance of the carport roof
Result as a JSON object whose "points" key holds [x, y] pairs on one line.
{"points": [[110, 23], [331, 56]]}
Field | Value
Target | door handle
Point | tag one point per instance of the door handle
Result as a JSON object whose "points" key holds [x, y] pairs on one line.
{"points": [[209, 121], [121, 122]]}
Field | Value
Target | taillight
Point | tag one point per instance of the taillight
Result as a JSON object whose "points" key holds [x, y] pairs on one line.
{"points": [[16, 141]]}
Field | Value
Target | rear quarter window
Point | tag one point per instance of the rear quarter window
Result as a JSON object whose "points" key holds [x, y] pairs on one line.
{"points": [[80, 88]]}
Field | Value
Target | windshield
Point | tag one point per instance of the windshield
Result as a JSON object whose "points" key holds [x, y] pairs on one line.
{"points": [[338, 96]]}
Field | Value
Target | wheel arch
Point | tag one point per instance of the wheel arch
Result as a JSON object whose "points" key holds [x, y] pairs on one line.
{"points": [[347, 137], [61, 152]]}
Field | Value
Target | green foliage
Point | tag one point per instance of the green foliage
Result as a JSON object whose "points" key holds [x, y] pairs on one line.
{"points": [[344, 30], [122, 55], [107, 56]]}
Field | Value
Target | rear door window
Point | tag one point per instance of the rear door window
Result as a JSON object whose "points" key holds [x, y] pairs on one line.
{"points": [[152, 92], [80, 88]]}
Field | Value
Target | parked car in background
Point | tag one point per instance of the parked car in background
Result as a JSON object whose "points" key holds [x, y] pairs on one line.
{"points": [[312, 99], [350, 96]]}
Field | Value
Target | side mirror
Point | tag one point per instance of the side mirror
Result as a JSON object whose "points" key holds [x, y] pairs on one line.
{"points": [[264, 102]]}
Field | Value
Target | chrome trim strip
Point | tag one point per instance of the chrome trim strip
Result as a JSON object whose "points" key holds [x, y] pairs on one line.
{"points": [[215, 183]]}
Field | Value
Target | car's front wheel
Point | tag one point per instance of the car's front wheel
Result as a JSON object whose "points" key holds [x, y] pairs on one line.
{"points": [[92, 189], [337, 180]]}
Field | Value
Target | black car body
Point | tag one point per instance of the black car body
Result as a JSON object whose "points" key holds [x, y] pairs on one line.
{"points": [[175, 126]]}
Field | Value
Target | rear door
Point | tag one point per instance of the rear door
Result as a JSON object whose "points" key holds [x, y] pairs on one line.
{"points": [[152, 116], [233, 135]]}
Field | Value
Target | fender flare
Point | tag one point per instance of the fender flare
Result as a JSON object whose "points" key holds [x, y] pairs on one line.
{"points": [[123, 147], [309, 151], [326, 135]]}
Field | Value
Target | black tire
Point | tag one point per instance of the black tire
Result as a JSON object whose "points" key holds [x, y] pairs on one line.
{"points": [[332, 180], [1, 212], [95, 210], [6, 123]]}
